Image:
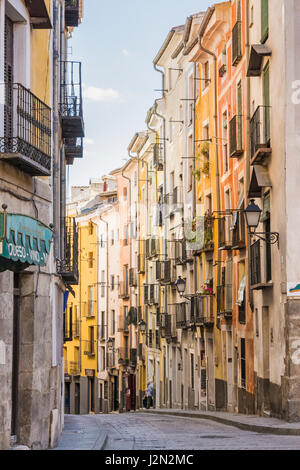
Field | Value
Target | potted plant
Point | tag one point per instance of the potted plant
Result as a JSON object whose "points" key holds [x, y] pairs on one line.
{"points": [[205, 149], [197, 173]]}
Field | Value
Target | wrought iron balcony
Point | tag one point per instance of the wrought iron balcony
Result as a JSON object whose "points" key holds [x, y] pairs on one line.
{"points": [[110, 359], [72, 13], [73, 149], [68, 267], [236, 136], [166, 270], [123, 355], [225, 232], [180, 252], [124, 290], [123, 323], [158, 159], [181, 315], [238, 231], [169, 325], [202, 310], [133, 356], [237, 43], [88, 348], [141, 263], [133, 277], [71, 100], [74, 368], [260, 134], [224, 300], [26, 131], [76, 328], [260, 275]]}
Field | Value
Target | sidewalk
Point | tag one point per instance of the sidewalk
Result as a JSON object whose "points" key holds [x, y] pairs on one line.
{"points": [[82, 433], [246, 422]]}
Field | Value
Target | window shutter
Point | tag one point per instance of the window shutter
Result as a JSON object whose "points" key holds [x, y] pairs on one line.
{"points": [[264, 20]]}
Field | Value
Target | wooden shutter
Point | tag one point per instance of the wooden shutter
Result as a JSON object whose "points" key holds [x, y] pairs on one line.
{"points": [[264, 20], [8, 77], [266, 85]]}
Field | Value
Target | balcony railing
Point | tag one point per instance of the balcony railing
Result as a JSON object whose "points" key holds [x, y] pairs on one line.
{"points": [[123, 355], [68, 267], [72, 13], [158, 159], [71, 100], [236, 136], [133, 277], [255, 264], [123, 323], [224, 300], [181, 315], [180, 252], [133, 356], [76, 328], [169, 325], [175, 200], [153, 294], [239, 231], [260, 133], [124, 290], [26, 131], [74, 368], [225, 232], [141, 263], [73, 149], [88, 348], [237, 43], [110, 359], [202, 310]]}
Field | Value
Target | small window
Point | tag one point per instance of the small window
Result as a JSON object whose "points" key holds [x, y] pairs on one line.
{"points": [[91, 228], [112, 237], [125, 194], [112, 282], [206, 75], [91, 259]]}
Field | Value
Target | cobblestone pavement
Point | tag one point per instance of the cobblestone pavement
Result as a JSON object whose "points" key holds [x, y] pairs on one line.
{"points": [[144, 431]]}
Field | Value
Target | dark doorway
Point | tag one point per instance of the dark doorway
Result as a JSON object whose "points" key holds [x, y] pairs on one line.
{"points": [[116, 394], [77, 398], [67, 398], [15, 356], [91, 395], [101, 399]]}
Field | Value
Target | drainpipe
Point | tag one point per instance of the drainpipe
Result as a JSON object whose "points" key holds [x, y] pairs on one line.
{"points": [[247, 182], [206, 20], [164, 199], [107, 282]]}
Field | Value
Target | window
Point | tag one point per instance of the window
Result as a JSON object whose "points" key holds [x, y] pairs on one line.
{"points": [[266, 91], [91, 228], [240, 115], [225, 145], [91, 301], [243, 363], [264, 20], [126, 235], [112, 239], [113, 322], [91, 336], [90, 259], [101, 240], [125, 194], [206, 75], [112, 282], [192, 372], [102, 283]]}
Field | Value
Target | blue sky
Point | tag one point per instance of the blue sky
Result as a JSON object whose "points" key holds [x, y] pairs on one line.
{"points": [[116, 44]]}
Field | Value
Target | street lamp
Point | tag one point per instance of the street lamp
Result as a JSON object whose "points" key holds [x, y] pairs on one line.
{"points": [[180, 285], [252, 216]]}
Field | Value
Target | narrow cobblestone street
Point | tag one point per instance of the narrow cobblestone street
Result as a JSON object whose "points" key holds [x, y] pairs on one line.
{"points": [[143, 431]]}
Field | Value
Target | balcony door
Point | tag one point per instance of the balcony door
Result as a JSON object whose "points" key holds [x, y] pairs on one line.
{"points": [[8, 77]]}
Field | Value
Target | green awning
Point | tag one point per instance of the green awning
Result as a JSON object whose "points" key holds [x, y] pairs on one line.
{"points": [[24, 241]]}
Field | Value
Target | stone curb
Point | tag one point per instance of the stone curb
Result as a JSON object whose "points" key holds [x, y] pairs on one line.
{"points": [[238, 424]]}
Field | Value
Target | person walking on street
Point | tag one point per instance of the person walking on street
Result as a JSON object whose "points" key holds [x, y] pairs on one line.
{"points": [[149, 395]]}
